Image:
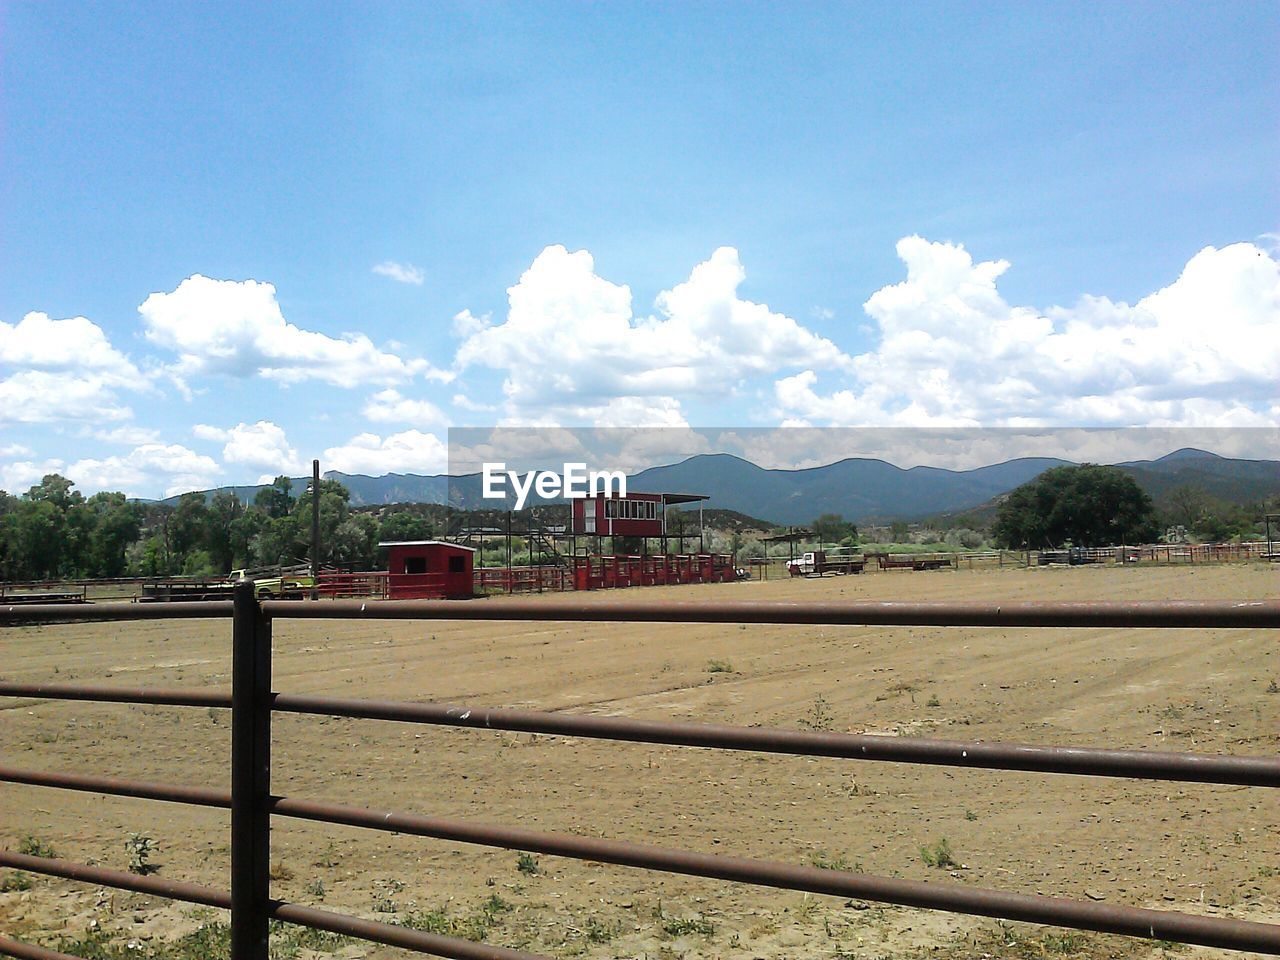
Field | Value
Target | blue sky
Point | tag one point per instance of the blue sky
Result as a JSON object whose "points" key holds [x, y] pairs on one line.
{"points": [[621, 214]]}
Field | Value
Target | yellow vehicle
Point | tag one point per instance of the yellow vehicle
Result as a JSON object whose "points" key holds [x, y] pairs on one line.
{"points": [[278, 586]]}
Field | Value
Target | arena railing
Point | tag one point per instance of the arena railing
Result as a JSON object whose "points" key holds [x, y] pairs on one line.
{"points": [[251, 803]]}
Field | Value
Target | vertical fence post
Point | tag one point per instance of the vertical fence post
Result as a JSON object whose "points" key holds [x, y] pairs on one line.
{"points": [[250, 775]]}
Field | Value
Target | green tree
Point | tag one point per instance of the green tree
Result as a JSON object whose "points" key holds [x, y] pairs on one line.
{"points": [[401, 525], [833, 528], [1086, 505], [220, 537], [276, 499], [117, 524]]}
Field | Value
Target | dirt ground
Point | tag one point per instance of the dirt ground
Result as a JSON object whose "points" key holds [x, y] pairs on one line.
{"points": [[1199, 848]]}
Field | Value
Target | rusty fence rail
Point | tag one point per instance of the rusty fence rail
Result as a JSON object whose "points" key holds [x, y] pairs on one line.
{"points": [[252, 805]]}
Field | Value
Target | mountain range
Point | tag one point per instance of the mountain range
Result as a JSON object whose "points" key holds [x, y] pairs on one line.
{"points": [[859, 489]]}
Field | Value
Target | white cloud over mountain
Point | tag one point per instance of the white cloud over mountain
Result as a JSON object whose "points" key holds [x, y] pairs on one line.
{"points": [[409, 452], [262, 446], [1203, 351], [571, 349], [946, 348]]}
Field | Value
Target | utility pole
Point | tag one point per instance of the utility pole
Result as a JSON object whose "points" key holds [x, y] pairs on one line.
{"points": [[315, 529]]}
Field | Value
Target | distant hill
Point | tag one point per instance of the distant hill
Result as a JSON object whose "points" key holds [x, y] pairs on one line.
{"points": [[1240, 482], [862, 490], [859, 489], [1236, 481]]}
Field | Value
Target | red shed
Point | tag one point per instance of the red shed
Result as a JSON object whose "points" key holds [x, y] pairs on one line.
{"points": [[420, 569]]}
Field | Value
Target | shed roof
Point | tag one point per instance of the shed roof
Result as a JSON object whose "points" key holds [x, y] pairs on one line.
{"points": [[424, 543]]}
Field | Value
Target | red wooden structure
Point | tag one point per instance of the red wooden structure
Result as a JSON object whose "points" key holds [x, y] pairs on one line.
{"points": [[424, 569], [596, 572]]}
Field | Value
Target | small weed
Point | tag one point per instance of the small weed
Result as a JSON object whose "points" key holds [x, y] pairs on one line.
{"points": [[939, 855], [140, 847], [32, 846], [328, 857], [970, 815], [280, 872], [820, 717], [719, 666], [316, 889], [933, 701], [527, 864], [1063, 942], [384, 895], [1273, 687], [597, 932], [14, 882]]}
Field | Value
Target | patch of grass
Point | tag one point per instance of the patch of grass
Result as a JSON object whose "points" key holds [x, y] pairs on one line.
{"points": [[939, 855], [597, 932], [683, 926], [527, 864], [824, 861], [719, 666], [1062, 942], [32, 846], [472, 926], [14, 882]]}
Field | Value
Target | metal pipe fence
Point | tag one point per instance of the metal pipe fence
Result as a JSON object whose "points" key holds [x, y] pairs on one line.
{"points": [[252, 805]]}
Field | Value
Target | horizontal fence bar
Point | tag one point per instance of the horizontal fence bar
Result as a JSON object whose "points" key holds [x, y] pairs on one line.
{"points": [[435, 944], [1138, 764], [29, 951], [157, 886], [117, 787], [101, 693], [953, 897], [1155, 613], [1132, 921], [395, 936], [1161, 613], [114, 610]]}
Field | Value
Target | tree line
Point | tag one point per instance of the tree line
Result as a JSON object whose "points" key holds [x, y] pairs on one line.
{"points": [[54, 532]]}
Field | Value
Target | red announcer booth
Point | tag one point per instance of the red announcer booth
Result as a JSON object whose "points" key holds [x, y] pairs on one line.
{"points": [[422, 569]]}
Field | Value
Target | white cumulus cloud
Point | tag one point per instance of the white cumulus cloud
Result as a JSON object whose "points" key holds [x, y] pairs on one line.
{"points": [[150, 466], [409, 452], [52, 370], [1203, 351], [261, 445], [389, 406], [571, 345], [400, 272], [236, 328]]}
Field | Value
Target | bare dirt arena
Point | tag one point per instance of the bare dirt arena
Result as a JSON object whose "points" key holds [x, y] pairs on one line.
{"points": [[1198, 848]]}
